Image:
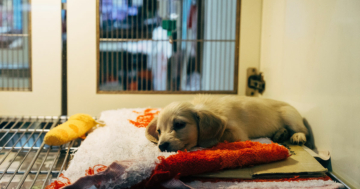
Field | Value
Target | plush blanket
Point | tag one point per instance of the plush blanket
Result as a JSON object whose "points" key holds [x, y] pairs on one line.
{"points": [[119, 156]]}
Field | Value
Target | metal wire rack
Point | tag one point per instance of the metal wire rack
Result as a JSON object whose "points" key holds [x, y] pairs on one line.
{"points": [[25, 160]]}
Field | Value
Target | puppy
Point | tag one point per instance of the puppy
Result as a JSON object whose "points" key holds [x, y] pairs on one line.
{"points": [[208, 120]]}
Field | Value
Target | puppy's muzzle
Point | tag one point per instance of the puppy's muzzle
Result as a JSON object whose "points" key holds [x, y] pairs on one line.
{"points": [[164, 146]]}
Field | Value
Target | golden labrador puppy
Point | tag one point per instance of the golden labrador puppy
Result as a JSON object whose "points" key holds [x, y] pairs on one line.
{"points": [[208, 120]]}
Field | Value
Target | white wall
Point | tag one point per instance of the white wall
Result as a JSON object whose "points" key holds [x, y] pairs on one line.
{"points": [[45, 97], [310, 55]]}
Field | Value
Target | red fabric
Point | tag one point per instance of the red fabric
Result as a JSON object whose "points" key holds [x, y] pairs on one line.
{"points": [[96, 169], [223, 155], [58, 184], [144, 119]]}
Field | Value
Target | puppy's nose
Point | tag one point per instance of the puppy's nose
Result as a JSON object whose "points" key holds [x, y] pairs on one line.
{"points": [[164, 146]]}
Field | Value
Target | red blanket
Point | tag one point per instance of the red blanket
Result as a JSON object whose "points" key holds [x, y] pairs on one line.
{"points": [[221, 156]]}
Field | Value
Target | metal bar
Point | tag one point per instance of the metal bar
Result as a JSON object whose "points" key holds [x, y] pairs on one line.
{"points": [[174, 40], [117, 58], [146, 10], [168, 92], [65, 159], [22, 161], [152, 43], [107, 54], [21, 86], [41, 165], [16, 57], [111, 64], [133, 71], [133, 31], [227, 62], [11, 78], [14, 35], [221, 65], [7, 154], [2, 119], [162, 87], [51, 167], [137, 71], [21, 130], [122, 60], [8, 132], [21, 75], [139, 59], [33, 160], [229, 53], [237, 46], [334, 177], [200, 45], [29, 42], [15, 155], [181, 68], [122, 68], [35, 148], [8, 54], [7, 89], [102, 62], [12, 135], [217, 46], [2, 59], [8, 122]]}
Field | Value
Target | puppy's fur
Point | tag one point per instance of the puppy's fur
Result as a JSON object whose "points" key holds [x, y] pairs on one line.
{"points": [[208, 120]]}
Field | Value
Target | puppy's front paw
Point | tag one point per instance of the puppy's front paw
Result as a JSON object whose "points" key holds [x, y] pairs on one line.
{"points": [[281, 135], [298, 138]]}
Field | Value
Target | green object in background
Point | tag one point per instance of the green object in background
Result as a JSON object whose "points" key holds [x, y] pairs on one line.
{"points": [[169, 25]]}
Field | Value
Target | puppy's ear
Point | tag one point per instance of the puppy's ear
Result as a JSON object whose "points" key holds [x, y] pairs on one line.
{"points": [[211, 127], [151, 133]]}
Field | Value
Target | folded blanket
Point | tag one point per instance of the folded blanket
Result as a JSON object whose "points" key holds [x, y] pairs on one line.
{"points": [[128, 159]]}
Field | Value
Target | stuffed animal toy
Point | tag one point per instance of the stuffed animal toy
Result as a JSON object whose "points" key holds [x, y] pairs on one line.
{"points": [[76, 126]]}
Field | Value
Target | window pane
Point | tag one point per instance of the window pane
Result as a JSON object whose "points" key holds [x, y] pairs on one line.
{"points": [[167, 45], [14, 45]]}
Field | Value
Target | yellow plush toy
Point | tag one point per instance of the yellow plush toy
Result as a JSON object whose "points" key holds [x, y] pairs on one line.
{"points": [[76, 126]]}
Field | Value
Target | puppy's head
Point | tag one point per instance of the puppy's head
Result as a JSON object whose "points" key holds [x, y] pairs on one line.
{"points": [[181, 126]]}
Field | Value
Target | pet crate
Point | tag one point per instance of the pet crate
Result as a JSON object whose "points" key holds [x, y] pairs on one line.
{"points": [[83, 56]]}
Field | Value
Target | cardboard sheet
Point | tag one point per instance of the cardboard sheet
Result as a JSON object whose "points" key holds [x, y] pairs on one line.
{"points": [[300, 163]]}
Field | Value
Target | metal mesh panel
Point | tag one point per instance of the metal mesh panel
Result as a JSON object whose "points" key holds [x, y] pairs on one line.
{"points": [[15, 65], [25, 160], [168, 46]]}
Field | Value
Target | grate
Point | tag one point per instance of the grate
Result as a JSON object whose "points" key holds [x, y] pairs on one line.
{"points": [[25, 160], [15, 45], [168, 46]]}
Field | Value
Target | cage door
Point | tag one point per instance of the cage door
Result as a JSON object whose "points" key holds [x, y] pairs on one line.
{"points": [[30, 57], [148, 53]]}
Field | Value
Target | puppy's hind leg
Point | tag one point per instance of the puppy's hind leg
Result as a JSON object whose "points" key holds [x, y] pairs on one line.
{"points": [[293, 120]]}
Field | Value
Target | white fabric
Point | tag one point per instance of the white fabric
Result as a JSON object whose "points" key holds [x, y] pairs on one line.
{"points": [[318, 184], [118, 140]]}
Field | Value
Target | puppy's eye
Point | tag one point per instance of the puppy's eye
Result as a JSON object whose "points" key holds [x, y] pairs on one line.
{"points": [[179, 125], [159, 131]]}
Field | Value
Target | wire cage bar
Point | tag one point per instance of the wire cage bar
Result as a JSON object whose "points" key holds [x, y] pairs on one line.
{"points": [[25, 160], [168, 46], [15, 45]]}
